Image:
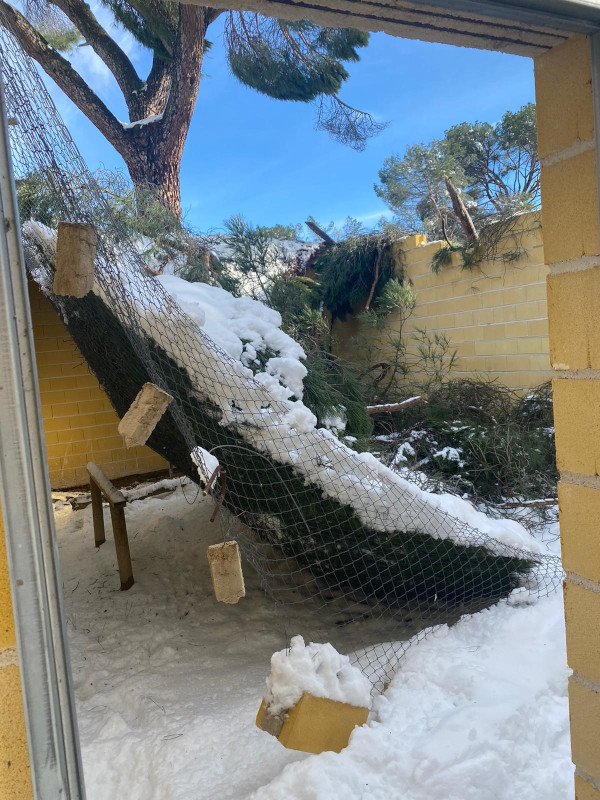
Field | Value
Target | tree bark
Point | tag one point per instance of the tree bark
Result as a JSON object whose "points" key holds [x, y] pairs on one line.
{"points": [[462, 215], [319, 232]]}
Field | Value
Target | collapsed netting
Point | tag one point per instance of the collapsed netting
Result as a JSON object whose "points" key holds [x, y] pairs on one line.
{"points": [[321, 523]]}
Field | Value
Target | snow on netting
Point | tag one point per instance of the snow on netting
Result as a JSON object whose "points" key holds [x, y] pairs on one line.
{"points": [[380, 559]]}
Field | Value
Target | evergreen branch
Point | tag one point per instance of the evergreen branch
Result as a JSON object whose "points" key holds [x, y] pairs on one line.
{"points": [[156, 16]]}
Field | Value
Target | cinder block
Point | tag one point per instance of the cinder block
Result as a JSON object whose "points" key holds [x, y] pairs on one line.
{"points": [[570, 209], [314, 724], [584, 707], [15, 779], [226, 572], [75, 254], [57, 450], [585, 790], [537, 327], [90, 406], [579, 529], [577, 424], [573, 314], [582, 615], [143, 414], [563, 90]]}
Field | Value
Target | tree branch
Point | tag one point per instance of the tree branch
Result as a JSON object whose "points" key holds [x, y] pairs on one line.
{"points": [[185, 79], [158, 85], [319, 232], [105, 48], [461, 213], [211, 15], [63, 74]]}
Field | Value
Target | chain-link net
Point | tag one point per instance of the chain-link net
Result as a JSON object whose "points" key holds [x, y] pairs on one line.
{"points": [[321, 524]]}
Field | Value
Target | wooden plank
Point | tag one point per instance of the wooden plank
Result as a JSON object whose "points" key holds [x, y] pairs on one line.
{"points": [[113, 495], [97, 514], [117, 514]]}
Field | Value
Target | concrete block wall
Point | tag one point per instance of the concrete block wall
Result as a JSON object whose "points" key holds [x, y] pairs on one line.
{"points": [[80, 423], [495, 315], [15, 778], [572, 249]]}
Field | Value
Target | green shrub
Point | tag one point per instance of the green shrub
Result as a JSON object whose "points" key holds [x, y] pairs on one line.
{"points": [[482, 438]]}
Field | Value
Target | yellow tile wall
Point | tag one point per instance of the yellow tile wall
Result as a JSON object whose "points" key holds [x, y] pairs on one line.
{"points": [[572, 247], [15, 778], [495, 315], [80, 423]]}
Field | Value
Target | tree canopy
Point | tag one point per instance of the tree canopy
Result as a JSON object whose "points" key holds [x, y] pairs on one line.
{"points": [[494, 168]]}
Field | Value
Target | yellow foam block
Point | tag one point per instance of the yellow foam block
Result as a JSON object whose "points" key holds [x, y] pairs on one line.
{"points": [[314, 724]]}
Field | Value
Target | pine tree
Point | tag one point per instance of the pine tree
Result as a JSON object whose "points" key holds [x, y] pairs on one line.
{"points": [[478, 173], [285, 60]]}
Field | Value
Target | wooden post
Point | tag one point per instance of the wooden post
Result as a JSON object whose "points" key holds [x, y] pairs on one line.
{"points": [[97, 513], [100, 485], [117, 514]]}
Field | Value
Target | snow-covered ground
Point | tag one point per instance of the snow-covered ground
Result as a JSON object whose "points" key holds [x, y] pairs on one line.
{"points": [[168, 684]]}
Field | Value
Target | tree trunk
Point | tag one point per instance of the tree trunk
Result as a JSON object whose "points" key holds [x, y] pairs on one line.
{"points": [[152, 151], [461, 213], [147, 173], [154, 155]]}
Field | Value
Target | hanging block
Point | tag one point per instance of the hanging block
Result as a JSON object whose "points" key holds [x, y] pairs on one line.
{"points": [[226, 572], [75, 254], [143, 415], [314, 724]]}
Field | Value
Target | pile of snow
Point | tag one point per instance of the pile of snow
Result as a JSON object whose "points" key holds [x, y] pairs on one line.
{"points": [[244, 328], [316, 669], [477, 711]]}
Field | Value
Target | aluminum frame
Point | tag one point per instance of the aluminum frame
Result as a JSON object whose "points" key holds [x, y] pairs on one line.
{"points": [[53, 739]]}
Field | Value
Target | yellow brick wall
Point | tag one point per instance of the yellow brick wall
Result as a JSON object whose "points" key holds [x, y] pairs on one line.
{"points": [[495, 315], [15, 779], [79, 422], [572, 250]]}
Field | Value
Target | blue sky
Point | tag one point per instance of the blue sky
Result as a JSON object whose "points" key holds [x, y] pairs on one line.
{"points": [[249, 154]]}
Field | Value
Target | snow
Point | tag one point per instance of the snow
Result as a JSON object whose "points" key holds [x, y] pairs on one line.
{"points": [[408, 401], [478, 711], [243, 328], [140, 123], [317, 669], [206, 463], [168, 684], [336, 421]]}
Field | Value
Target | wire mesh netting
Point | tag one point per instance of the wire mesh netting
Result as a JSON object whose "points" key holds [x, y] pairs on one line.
{"points": [[377, 561]]}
